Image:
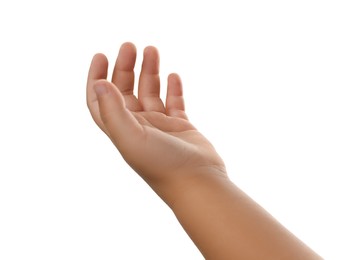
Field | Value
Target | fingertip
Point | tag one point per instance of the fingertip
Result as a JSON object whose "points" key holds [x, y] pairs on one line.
{"points": [[151, 57], [129, 48], [99, 63], [99, 55], [98, 67], [101, 89], [128, 45], [103, 82], [174, 76], [174, 85], [150, 49]]}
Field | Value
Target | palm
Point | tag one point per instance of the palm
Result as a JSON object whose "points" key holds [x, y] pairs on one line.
{"points": [[161, 134]]}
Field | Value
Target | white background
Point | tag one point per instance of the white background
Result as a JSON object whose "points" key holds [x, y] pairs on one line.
{"points": [[277, 87]]}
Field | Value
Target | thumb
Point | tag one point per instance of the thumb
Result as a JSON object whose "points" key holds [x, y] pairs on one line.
{"points": [[119, 122]]}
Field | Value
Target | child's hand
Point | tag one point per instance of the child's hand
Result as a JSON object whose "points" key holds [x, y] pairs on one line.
{"points": [[155, 139], [160, 144]]}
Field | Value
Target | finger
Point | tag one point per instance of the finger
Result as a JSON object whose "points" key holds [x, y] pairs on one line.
{"points": [[97, 71], [123, 75], [174, 102], [149, 82], [120, 124]]}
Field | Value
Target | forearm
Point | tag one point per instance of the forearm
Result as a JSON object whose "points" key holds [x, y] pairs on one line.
{"points": [[225, 223]]}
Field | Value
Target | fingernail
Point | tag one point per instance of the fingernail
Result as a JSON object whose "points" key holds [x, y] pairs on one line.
{"points": [[100, 90]]}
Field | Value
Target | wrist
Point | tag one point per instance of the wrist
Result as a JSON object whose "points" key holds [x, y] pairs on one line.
{"points": [[190, 183]]}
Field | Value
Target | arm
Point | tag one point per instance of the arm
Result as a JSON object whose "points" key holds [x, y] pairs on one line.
{"points": [[180, 164], [225, 223]]}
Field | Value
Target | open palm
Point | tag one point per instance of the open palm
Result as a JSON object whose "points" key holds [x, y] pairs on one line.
{"points": [[156, 140]]}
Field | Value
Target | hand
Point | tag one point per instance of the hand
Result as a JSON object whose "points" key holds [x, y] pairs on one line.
{"points": [[167, 151], [156, 140]]}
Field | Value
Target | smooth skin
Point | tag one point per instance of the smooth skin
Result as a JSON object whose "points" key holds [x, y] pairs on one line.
{"points": [[159, 142]]}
